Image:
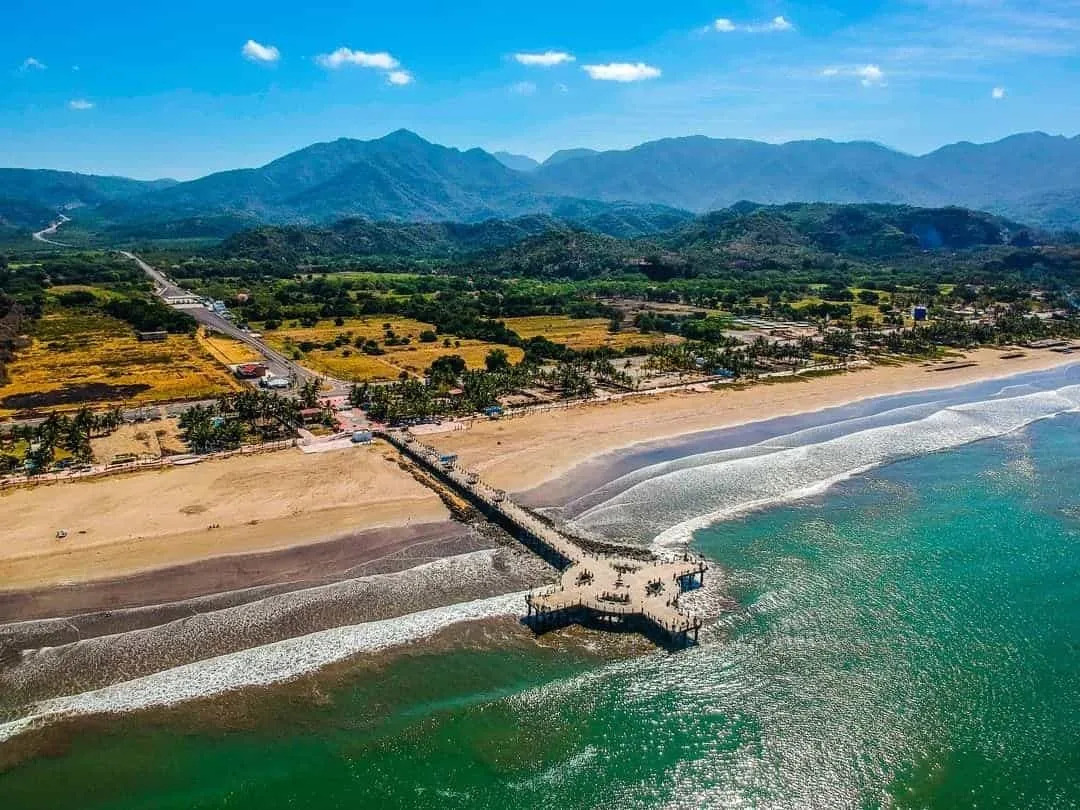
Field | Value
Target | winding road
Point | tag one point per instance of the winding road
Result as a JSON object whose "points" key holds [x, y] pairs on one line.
{"points": [[43, 235]]}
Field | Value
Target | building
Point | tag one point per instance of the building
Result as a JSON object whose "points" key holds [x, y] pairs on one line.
{"points": [[919, 314], [250, 371], [309, 415], [157, 336]]}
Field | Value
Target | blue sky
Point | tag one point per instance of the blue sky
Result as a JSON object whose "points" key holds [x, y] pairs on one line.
{"points": [[150, 89]]}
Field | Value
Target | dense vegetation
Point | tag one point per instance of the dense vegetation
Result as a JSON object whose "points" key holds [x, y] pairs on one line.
{"points": [[1032, 177], [853, 272]]}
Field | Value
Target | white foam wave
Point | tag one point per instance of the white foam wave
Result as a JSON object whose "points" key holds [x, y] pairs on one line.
{"points": [[670, 500], [261, 666]]}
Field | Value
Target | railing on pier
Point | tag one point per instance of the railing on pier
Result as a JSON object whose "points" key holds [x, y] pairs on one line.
{"points": [[613, 598]]}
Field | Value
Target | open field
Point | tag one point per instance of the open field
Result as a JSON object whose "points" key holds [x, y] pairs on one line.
{"points": [[580, 333], [228, 351], [78, 359], [144, 440], [345, 361]]}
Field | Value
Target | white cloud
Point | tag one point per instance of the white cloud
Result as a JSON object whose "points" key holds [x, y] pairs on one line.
{"points": [[381, 60], [257, 52], [997, 93], [523, 88], [868, 75], [622, 72], [80, 104], [779, 24], [346, 56], [545, 59], [30, 63], [726, 26]]}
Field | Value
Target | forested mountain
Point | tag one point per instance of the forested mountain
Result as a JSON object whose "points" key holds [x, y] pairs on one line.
{"points": [[360, 237], [54, 190], [702, 174], [564, 155], [520, 163], [542, 245], [401, 177], [23, 216], [875, 230]]}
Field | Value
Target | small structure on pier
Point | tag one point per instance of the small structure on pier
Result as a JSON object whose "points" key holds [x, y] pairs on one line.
{"points": [[612, 588], [617, 589]]}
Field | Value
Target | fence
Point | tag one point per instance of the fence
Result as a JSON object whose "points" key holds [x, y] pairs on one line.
{"points": [[12, 482]]}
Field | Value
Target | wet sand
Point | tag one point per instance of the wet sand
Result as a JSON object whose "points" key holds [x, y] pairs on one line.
{"points": [[128, 524], [521, 454], [78, 666], [124, 526], [312, 542], [101, 606]]}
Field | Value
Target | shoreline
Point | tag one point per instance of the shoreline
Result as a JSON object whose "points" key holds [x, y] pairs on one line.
{"points": [[529, 461], [225, 640], [130, 526]]}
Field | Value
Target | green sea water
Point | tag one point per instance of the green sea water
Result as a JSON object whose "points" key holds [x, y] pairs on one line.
{"points": [[910, 639]]}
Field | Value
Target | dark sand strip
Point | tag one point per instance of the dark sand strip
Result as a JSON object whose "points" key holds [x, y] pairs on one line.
{"points": [[367, 552], [96, 662]]}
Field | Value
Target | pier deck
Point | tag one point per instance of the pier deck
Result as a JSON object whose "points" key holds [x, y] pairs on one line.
{"points": [[614, 587]]}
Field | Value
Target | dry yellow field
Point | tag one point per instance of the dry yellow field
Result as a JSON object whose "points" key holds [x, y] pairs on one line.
{"points": [[416, 358], [356, 365], [78, 359], [579, 333], [228, 351], [369, 328]]}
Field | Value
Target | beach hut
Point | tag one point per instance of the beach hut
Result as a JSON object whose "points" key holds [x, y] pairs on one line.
{"points": [[493, 412]]}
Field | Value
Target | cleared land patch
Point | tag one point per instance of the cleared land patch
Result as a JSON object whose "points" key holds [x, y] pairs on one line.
{"points": [[81, 358], [228, 351], [581, 333]]}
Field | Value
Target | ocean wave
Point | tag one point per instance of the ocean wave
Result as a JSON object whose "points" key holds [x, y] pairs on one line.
{"points": [[262, 666], [669, 501]]}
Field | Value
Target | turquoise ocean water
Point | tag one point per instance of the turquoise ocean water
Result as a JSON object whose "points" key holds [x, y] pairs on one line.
{"points": [[908, 638]]}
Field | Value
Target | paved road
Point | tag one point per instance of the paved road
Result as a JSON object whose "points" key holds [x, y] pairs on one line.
{"points": [[279, 364], [42, 236]]}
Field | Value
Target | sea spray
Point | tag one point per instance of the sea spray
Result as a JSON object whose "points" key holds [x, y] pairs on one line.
{"points": [[261, 666], [669, 501]]}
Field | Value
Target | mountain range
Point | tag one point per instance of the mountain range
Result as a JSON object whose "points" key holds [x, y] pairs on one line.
{"points": [[1032, 177], [743, 231]]}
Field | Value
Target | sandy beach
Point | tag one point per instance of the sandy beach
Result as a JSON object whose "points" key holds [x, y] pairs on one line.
{"points": [[523, 453], [169, 568], [128, 524]]}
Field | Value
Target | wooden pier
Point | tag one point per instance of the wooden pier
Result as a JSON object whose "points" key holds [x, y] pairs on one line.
{"points": [[616, 589]]}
